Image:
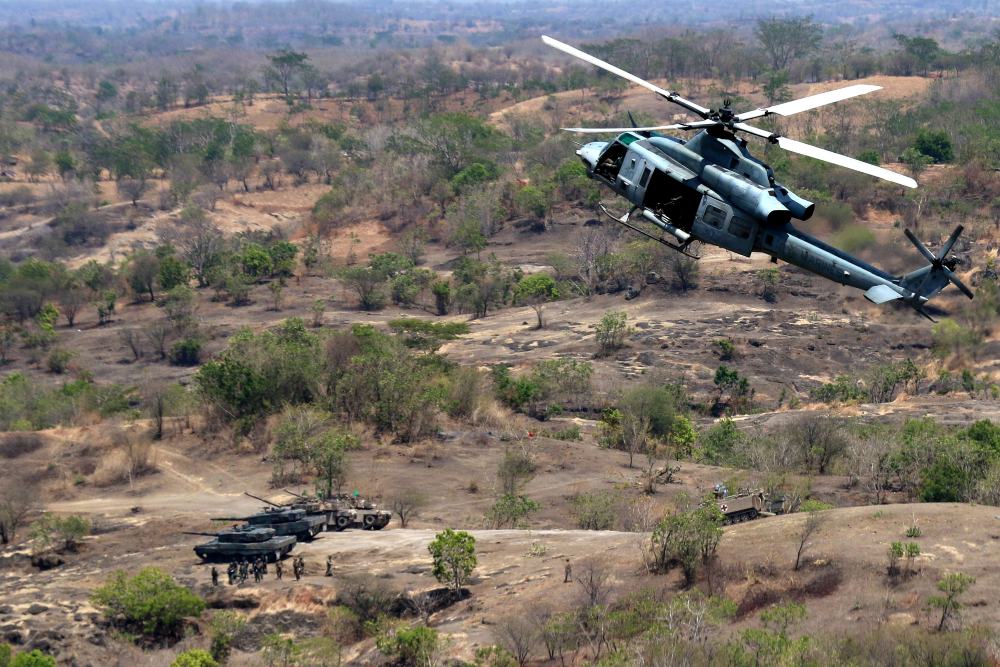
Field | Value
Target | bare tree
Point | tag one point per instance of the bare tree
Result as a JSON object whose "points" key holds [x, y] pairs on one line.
{"points": [[811, 526], [197, 240], [16, 502], [71, 299], [130, 337], [157, 333], [594, 576], [518, 634], [138, 454], [132, 188], [819, 441], [406, 504]]}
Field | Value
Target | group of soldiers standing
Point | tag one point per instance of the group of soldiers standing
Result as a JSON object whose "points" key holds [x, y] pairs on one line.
{"points": [[239, 570]]}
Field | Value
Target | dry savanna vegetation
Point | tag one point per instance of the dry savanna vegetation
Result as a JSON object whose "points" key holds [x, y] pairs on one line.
{"points": [[319, 248]]}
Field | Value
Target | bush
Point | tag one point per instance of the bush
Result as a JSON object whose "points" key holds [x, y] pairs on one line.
{"points": [[195, 657], [935, 144], [59, 533], [151, 604], [186, 352], [596, 510], [510, 511], [611, 332], [411, 647], [58, 360], [33, 658]]}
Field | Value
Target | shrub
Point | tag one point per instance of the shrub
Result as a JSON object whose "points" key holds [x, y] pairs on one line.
{"points": [[58, 360], [186, 352], [611, 332], [935, 144], [33, 658], [195, 657], [411, 647], [688, 539], [60, 533], [151, 603], [596, 510], [510, 511], [568, 433]]}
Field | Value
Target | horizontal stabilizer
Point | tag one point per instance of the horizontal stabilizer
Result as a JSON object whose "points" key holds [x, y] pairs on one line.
{"points": [[881, 294]]}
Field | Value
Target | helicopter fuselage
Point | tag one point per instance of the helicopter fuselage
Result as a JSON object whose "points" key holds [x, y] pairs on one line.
{"points": [[710, 189]]}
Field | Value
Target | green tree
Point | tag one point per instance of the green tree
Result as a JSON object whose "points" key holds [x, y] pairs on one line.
{"points": [[454, 557], [173, 272], [285, 66], [689, 539], [536, 290], [143, 272], [785, 39], [510, 511], [328, 455], [151, 603], [410, 647], [935, 144], [952, 585]]}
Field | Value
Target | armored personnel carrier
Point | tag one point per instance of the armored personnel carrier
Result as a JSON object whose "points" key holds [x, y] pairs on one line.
{"points": [[338, 517], [369, 516], [284, 521], [244, 542], [746, 505]]}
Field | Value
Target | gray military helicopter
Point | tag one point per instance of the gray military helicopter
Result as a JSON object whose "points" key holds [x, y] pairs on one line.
{"points": [[711, 189]]}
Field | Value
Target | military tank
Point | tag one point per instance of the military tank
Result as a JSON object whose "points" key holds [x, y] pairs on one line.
{"points": [[338, 517], [369, 516], [244, 542], [745, 505], [285, 521]]}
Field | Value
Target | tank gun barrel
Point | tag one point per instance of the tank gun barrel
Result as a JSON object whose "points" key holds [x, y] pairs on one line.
{"points": [[247, 493], [192, 532], [296, 495], [230, 518]]}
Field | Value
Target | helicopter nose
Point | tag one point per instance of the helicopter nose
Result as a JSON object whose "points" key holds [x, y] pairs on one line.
{"points": [[591, 152]]}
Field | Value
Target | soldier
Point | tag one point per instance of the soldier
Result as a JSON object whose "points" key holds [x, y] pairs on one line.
{"points": [[568, 573], [215, 576], [231, 571], [298, 566], [244, 568], [278, 569], [329, 565]]}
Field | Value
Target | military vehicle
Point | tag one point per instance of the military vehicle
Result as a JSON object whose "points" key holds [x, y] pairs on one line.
{"points": [[244, 542], [284, 521], [369, 516], [710, 189], [338, 517], [746, 505]]}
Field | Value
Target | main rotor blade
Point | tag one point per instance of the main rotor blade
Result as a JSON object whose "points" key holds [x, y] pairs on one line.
{"points": [[946, 248], [811, 102], [676, 126], [597, 62], [920, 246], [844, 161]]}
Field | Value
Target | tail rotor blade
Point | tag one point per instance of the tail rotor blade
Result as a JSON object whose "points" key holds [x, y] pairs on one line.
{"points": [[921, 247], [957, 283], [946, 248]]}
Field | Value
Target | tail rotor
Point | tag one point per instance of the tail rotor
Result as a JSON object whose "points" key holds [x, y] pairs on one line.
{"points": [[940, 263]]}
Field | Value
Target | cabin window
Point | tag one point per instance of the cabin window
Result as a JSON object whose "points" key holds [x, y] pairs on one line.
{"points": [[645, 177], [740, 228], [714, 216], [633, 163]]}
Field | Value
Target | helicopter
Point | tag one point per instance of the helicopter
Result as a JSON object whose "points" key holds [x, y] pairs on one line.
{"points": [[710, 189]]}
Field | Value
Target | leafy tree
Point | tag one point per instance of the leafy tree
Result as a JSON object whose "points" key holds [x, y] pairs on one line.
{"points": [[369, 285], [688, 539], [596, 510], [454, 140], [283, 257], [286, 65], [935, 144], [255, 261], [536, 290], [61, 533], [173, 272], [915, 161], [454, 556], [151, 603], [952, 585], [328, 455], [143, 272], [785, 39]]}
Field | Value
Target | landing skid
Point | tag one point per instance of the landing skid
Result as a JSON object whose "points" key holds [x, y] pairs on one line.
{"points": [[624, 221]]}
